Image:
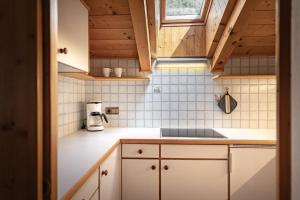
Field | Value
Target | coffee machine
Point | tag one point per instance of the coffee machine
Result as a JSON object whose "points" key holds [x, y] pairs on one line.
{"points": [[95, 118]]}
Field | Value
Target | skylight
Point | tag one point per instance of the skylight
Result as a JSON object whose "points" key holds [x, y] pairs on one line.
{"points": [[180, 11]]}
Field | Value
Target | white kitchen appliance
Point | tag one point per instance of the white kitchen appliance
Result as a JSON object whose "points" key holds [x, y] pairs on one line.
{"points": [[95, 118]]}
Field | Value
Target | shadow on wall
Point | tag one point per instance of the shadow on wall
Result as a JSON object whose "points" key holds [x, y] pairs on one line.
{"points": [[182, 41]]}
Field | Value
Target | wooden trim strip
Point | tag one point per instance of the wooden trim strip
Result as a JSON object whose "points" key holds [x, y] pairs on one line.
{"points": [[197, 142], [92, 170], [194, 158], [229, 171], [143, 158], [283, 69]]}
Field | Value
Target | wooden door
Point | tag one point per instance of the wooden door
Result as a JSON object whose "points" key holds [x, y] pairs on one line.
{"points": [[253, 172], [110, 177], [140, 179], [194, 179]]}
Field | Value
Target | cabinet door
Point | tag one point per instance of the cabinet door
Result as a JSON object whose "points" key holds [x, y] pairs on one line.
{"points": [[140, 179], [253, 174], [89, 187], [95, 196], [194, 179], [110, 177], [73, 35]]}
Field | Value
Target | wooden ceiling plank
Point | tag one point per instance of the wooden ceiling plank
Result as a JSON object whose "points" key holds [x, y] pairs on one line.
{"points": [[260, 30], [112, 44], [111, 34], [258, 41], [263, 17], [99, 53], [110, 21], [254, 50], [235, 28], [266, 5], [108, 7], [139, 19]]}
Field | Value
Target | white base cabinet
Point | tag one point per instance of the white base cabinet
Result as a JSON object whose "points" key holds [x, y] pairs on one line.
{"points": [[253, 173], [140, 179], [110, 177], [194, 180], [88, 189]]}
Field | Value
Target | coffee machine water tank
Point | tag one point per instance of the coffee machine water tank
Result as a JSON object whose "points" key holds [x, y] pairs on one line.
{"points": [[95, 118]]}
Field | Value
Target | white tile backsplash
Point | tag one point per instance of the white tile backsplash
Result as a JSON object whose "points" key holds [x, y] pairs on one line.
{"points": [[183, 95], [177, 96], [71, 101]]}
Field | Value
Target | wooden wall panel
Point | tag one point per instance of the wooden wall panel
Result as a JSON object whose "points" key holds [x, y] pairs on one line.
{"points": [[181, 41], [21, 100]]}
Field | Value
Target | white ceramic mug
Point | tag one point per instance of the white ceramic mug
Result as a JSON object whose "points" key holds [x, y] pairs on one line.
{"points": [[106, 71], [118, 72]]}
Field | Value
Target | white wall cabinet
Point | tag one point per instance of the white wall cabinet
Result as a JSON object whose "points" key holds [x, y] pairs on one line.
{"points": [[110, 177], [140, 179], [253, 173], [73, 35], [194, 179]]}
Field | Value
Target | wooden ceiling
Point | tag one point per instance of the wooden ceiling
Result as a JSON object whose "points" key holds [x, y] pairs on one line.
{"points": [[243, 27], [111, 29], [259, 37]]}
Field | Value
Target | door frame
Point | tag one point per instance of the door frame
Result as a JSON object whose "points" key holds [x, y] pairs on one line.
{"points": [[283, 72], [50, 99]]}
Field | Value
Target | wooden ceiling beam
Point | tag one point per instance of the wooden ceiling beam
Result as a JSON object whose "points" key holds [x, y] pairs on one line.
{"points": [[138, 9], [153, 24], [234, 29], [218, 16]]}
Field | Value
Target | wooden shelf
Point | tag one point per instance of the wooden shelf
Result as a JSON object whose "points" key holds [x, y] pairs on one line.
{"points": [[224, 77], [87, 77]]}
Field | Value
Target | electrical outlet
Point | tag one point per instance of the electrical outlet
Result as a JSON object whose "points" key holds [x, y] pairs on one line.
{"points": [[112, 110]]}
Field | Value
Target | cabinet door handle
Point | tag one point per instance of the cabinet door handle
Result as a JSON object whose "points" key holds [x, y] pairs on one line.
{"points": [[166, 167], [63, 50], [140, 151], [104, 173], [153, 167]]}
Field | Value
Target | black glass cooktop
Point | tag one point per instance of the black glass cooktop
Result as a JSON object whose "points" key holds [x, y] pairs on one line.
{"points": [[199, 133]]}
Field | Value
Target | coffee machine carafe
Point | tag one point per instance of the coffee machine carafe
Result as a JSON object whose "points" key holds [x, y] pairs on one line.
{"points": [[95, 118]]}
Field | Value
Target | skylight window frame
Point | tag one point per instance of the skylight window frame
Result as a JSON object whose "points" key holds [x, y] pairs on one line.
{"points": [[201, 20]]}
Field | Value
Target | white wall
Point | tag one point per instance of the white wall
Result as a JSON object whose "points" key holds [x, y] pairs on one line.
{"points": [[295, 100]]}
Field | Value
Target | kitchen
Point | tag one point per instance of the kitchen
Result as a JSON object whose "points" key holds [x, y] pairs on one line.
{"points": [[157, 131], [159, 100]]}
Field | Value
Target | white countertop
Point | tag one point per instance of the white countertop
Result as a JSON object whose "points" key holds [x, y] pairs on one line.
{"points": [[81, 150]]}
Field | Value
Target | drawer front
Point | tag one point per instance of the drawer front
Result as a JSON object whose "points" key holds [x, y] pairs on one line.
{"points": [[87, 190], [140, 150], [195, 151]]}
